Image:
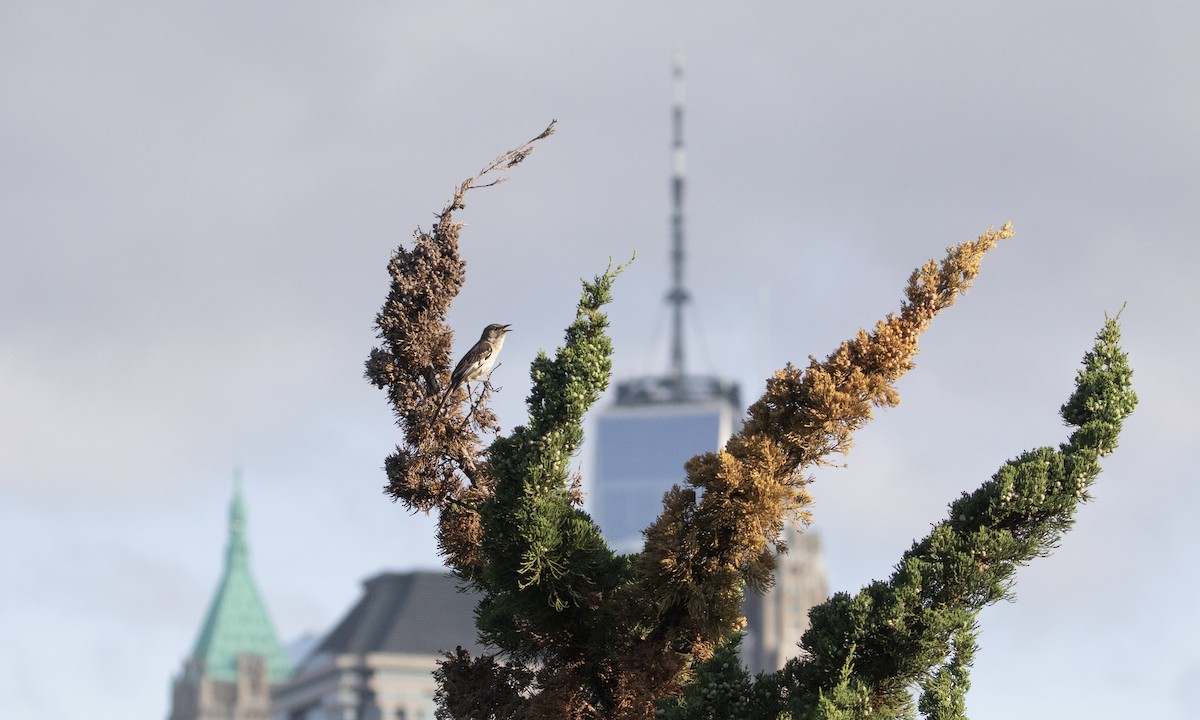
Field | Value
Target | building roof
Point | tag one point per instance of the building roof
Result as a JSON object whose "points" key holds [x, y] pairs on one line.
{"points": [[419, 613], [677, 390], [237, 622]]}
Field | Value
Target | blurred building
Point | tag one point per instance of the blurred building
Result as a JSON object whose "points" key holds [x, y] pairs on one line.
{"points": [[776, 620], [655, 424], [378, 662], [237, 657], [643, 439]]}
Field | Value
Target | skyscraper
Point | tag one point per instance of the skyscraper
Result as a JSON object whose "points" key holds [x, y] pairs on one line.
{"points": [[237, 656], [777, 619], [657, 423], [642, 441]]}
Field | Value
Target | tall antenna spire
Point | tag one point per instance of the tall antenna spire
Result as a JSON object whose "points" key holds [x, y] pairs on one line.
{"points": [[678, 295]]}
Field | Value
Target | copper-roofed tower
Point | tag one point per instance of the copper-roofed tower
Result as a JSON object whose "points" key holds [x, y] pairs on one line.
{"points": [[237, 656]]}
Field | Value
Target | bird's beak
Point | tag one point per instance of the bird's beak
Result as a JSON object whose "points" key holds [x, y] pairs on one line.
{"points": [[508, 328]]}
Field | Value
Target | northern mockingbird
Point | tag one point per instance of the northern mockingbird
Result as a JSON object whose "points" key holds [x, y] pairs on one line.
{"points": [[478, 360]]}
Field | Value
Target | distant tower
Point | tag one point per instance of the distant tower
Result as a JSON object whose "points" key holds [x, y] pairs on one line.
{"points": [[678, 295], [237, 657], [659, 422], [777, 619]]}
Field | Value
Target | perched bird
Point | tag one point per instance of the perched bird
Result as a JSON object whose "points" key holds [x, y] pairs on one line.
{"points": [[478, 360]]}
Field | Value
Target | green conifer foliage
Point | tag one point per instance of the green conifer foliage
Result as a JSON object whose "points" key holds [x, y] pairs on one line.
{"points": [[863, 654], [579, 631]]}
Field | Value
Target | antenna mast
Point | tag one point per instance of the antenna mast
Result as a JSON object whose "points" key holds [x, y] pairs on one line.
{"points": [[678, 295]]}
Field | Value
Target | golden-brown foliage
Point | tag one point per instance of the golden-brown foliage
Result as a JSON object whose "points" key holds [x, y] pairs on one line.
{"points": [[699, 552]]}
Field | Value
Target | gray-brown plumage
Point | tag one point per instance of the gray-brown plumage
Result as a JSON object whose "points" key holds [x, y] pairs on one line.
{"points": [[477, 362]]}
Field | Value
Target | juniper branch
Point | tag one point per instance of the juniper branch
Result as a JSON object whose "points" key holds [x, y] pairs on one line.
{"points": [[917, 628]]}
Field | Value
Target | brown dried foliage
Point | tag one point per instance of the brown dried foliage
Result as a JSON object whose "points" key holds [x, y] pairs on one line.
{"points": [[441, 464], [480, 688]]}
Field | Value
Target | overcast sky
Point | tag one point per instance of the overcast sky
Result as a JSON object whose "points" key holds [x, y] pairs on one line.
{"points": [[198, 201]]}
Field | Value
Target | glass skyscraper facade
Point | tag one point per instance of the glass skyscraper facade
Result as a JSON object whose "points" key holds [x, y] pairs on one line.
{"points": [[642, 441]]}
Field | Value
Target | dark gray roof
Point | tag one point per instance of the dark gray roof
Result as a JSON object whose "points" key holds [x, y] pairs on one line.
{"points": [[414, 613], [662, 389]]}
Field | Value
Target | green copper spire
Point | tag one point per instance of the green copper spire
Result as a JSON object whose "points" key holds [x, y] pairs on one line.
{"points": [[237, 621]]}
